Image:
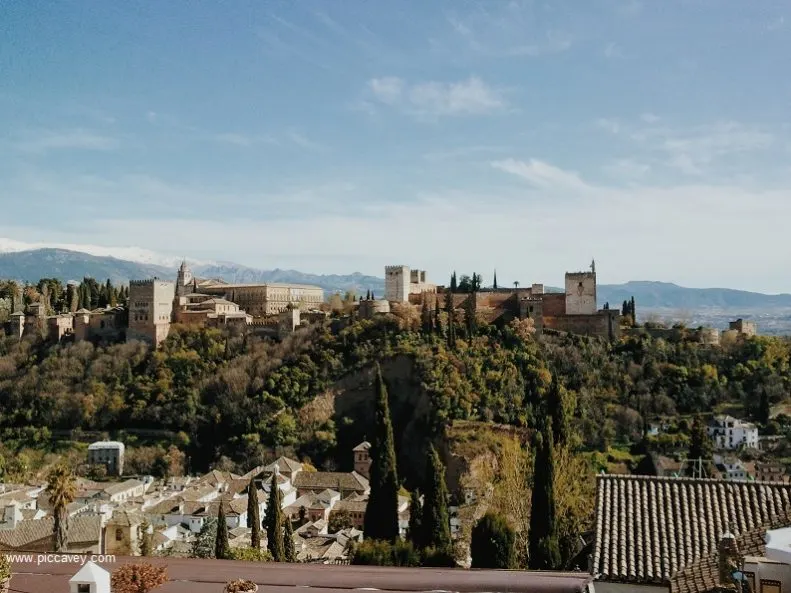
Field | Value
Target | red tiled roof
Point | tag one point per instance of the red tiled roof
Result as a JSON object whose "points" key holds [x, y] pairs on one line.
{"points": [[648, 528]]}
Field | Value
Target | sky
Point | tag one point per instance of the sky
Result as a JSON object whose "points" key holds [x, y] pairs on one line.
{"points": [[338, 136]]}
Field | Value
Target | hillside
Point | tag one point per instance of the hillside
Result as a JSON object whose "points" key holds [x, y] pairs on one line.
{"points": [[30, 266], [359, 283], [667, 295]]}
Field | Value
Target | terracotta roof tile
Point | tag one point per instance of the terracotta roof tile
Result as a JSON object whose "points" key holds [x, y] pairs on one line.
{"points": [[84, 529], [334, 480], [648, 528]]}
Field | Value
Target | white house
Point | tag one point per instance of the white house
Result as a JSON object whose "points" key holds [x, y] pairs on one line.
{"points": [[731, 433], [732, 467]]}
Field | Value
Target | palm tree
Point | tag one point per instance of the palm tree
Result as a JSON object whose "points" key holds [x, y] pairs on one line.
{"points": [[516, 284], [61, 489]]}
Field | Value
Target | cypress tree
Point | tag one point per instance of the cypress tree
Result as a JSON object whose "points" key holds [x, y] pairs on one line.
{"points": [[453, 282], [253, 515], [451, 323], [557, 412], [470, 309], [633, 311], [543, 545], [381, 514], [494, 283], [274, 522], [414, 531], [493, 543], [289, 551], [426, 318], [436, 521], [222, 549]]}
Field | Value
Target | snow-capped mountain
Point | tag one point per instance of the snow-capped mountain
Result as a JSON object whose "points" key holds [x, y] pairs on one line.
{"points": [[130, 254]]}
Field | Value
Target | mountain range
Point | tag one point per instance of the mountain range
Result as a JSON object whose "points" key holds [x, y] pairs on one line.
{"points": [[32, 264]]}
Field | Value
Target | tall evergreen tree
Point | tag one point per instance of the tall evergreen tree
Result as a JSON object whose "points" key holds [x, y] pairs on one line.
{"points": [[436, 520], [381, 514], [453, 282], [415, 531], [543, 544], [557, 412], [494, 283], [451, 331], [633, 311], [426, 318], [700, 448], [274, 522], [222, 549], [253, 515], [470, 312], [289, 550]]}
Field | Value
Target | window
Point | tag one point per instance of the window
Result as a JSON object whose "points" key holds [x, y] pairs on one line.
{"points": [[119, 535], [769, 586], [83, 588]]}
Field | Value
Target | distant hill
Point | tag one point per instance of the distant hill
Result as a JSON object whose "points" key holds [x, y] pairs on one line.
{"points": [[649, 294], [359, 283], [30, 266], [73, 265]]}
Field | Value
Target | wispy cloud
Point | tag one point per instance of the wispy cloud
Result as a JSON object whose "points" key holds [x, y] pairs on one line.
{"points": [[512, 30], [612, 51], [542, 175], [776, 24], [245, 140], [688, 149], [461, 152], [433, 98], [304, 141], [613, 126], [627, 169], [692, 149], [42, 141]]}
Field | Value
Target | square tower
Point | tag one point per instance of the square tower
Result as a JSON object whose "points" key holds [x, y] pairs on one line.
{"points": [[397, 280], [580, 293], [150, 310]]}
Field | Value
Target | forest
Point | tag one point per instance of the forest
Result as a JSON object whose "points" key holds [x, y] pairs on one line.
{"points": [[225, 397]]}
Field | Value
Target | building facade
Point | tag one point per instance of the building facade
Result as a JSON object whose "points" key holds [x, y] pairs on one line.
{"points": [[731, 433], [150, 310], [109, 454], [401, 281]]}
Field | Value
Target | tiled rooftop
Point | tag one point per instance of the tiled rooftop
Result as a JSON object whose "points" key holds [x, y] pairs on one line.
{"points": [[648, 528]]}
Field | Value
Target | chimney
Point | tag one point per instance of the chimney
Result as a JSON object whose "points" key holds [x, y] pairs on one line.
{"points": [[92, 578], [727, 560]]}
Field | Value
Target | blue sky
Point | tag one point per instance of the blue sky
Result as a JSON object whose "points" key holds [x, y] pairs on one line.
{"points": [[340, 136]]}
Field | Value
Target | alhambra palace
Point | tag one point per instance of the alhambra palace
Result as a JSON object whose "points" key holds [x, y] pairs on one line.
{"points": [[154, 305]]}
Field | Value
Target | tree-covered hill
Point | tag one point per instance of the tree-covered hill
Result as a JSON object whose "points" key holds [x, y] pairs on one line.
{"points": [[238, 398]]}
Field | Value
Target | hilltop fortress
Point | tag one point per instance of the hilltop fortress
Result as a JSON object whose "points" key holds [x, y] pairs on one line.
{"points": [[276, 308], [575, 310]]}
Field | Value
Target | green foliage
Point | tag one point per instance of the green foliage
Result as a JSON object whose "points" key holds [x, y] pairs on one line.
{"points": [[435, 525], [274, 522], [415, 529], [289, 549], [253, 515], [383, 553], [222, 548], [340, 520], [544, 545], [381, 513], [493, 543], [204, 544], [5, 569], [251, 555]]}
